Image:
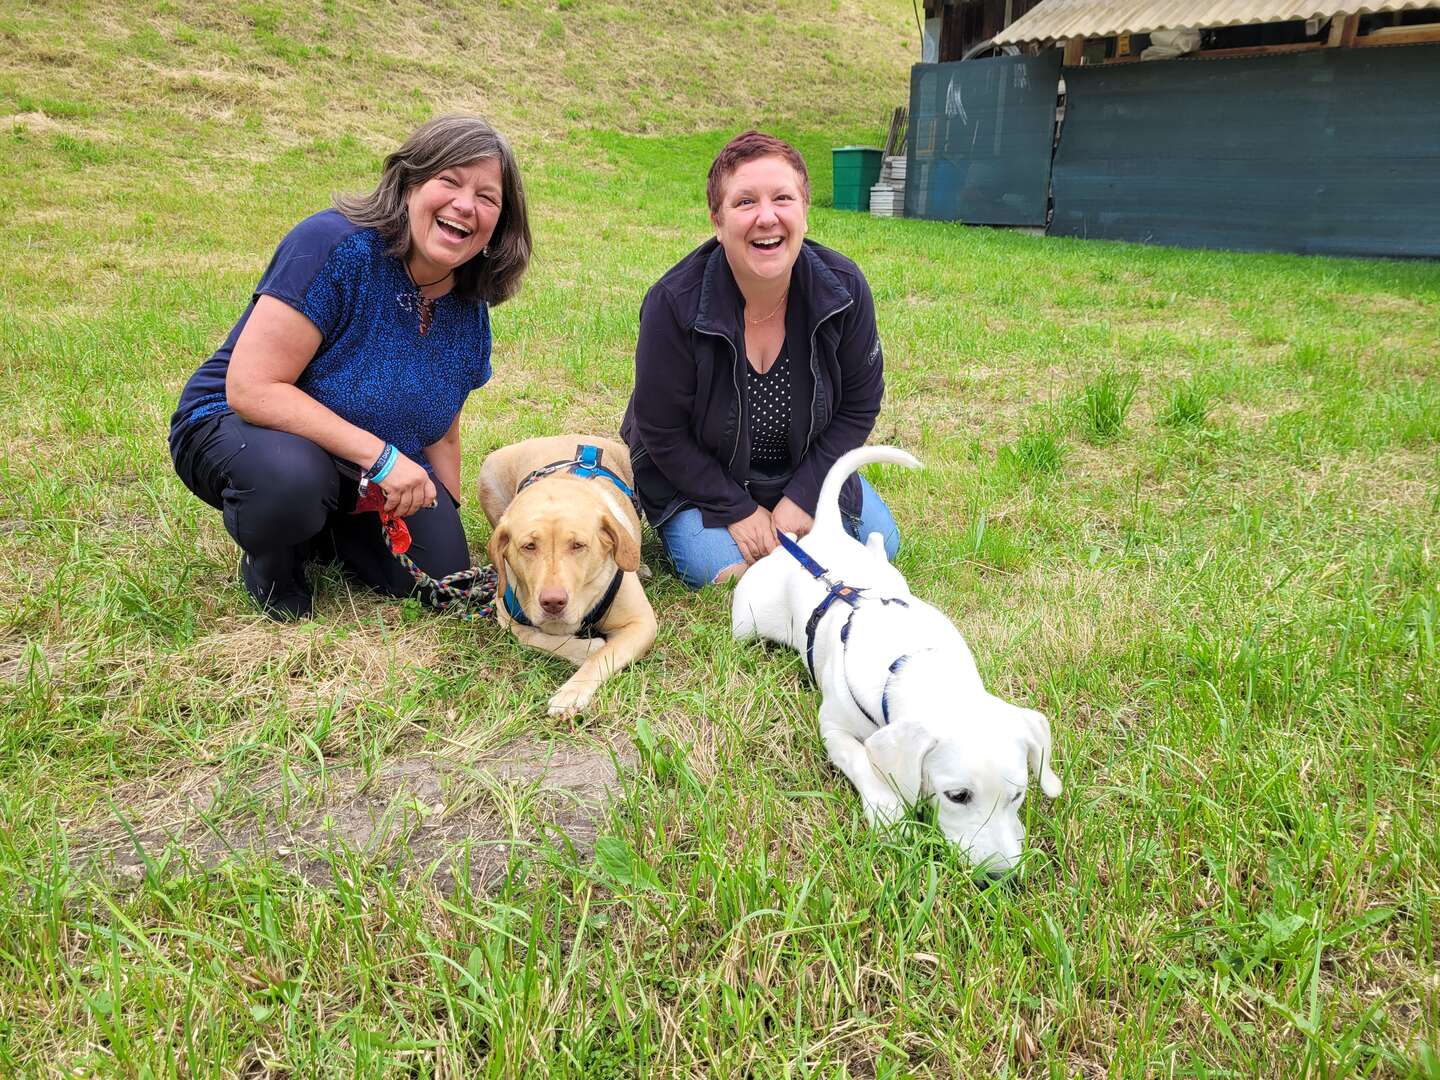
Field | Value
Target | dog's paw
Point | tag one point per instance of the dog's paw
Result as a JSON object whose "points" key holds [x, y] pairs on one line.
{"points": [[571, 699]]}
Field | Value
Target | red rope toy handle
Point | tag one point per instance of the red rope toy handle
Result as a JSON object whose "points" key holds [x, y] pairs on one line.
{"points": [[397, 533]]}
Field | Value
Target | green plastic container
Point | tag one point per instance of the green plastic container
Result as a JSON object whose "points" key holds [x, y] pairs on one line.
{"points": [[857, 170]]}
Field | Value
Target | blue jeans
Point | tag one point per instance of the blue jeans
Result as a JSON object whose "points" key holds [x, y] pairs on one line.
{"points": [[698, 553]]}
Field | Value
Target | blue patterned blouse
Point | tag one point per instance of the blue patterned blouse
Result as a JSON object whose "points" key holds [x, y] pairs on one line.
{"points": [[374, 367]]}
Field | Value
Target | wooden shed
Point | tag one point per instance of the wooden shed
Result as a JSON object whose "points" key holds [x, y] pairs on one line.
{"points": [[1289, 125], [1118, 31], [960, 28]]}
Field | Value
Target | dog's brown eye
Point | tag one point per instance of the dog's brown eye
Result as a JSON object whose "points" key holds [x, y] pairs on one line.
{"points": [[529, 545], [576, 545], [960, 796]]}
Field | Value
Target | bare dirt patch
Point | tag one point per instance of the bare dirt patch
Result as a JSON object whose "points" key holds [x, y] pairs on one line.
{"points": [[410, 813]]}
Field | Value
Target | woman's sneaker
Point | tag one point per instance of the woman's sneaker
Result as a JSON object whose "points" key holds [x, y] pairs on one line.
{"points": [[282, 600]]}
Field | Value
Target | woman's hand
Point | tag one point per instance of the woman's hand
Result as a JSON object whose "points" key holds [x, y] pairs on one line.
{"points": [[787, 517], [754, 535], [407, 488]]}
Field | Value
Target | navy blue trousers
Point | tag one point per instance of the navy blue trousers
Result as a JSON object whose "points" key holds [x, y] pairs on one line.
{"points": [[286, 501]]}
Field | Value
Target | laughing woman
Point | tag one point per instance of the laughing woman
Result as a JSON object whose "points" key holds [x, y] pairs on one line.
{"points": [[758, 365], [364, 337]]}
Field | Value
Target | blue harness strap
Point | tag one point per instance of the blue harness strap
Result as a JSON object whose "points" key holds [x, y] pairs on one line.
{"points": [[587, 624], [838, 590], [895, 667], [813, 568], [586, 464]]}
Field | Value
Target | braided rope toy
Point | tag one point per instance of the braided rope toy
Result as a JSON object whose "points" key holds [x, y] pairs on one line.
{"points": [[466, 594]]}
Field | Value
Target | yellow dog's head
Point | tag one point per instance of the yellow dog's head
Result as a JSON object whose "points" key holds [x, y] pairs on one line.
{"points": [[558, 545]]}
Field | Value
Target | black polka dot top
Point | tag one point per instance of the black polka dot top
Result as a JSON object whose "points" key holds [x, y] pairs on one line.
{"points": [[768, 397]]}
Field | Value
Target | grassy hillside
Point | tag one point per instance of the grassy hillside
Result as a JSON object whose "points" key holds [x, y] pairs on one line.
{"points": [[1183, 502], [242, 80]]}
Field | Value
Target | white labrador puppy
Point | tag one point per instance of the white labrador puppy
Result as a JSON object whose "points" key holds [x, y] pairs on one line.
{"points": [[904, 714]]}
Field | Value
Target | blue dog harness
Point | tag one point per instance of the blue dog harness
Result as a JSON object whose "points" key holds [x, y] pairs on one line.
{"points": [[587, 624], [586, 464], [850, 594]]}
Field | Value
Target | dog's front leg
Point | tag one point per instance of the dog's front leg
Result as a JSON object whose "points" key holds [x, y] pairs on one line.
{"points": [[882, 806], [575, 649], [625, 641]]}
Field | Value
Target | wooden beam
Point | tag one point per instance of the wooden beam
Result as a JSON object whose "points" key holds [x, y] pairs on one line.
{"points": [[1401, 35], [1074, 52], [1257, 50]]}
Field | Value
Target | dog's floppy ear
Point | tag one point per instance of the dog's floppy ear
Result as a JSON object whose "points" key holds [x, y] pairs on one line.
{"points": [[897, 753], [1037, 750], [499, 541], [625, 546]]}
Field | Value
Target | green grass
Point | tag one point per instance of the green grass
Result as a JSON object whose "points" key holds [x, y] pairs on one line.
{"points": [[1104, 404], [1190, 403], [1228, 606], [1036, 453]]}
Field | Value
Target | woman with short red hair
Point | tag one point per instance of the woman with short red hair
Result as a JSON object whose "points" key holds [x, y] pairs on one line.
{"points": [[758, 365]]}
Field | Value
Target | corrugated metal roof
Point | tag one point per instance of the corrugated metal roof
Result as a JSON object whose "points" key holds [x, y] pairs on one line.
{"points": [[1057, 20]]}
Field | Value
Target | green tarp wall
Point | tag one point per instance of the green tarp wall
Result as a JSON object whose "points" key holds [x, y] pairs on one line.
{"points": [[1329, 152], [980, 141]]}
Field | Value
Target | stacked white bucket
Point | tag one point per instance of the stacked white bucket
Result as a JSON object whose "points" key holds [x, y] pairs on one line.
{"points": [[887, 198]]}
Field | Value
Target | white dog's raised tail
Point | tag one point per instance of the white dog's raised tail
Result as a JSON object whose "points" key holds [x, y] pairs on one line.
{"points": [[827, 506]]}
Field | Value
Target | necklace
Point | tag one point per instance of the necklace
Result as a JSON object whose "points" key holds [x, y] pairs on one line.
{"points": [[418, 302], [767, 318]]}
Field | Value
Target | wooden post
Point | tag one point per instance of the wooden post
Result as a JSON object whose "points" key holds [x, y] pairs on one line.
{"points": [[1342, 31], [1074, 52]]}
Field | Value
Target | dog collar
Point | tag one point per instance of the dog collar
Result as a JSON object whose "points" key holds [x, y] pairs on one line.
{"points": [[585, 464], [587, 624]]}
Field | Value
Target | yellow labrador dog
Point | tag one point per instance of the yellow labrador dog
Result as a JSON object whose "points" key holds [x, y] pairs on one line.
{"points": [[566, 547]]}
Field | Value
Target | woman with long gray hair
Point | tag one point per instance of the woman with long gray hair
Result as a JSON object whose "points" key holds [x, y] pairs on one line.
{"points": [[350, 366]]}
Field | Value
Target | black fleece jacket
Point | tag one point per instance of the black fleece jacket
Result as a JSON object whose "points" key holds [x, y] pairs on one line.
{"points": [[687, 424]]}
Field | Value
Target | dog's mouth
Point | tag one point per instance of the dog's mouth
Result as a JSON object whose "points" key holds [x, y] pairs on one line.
{"points": [[559, 622]]}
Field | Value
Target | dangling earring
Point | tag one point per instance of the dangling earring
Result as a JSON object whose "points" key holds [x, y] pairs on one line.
{"points": [[485, 252]]}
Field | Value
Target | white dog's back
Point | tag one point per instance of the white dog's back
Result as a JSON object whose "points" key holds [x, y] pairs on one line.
{"points": [[769, 592]]}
